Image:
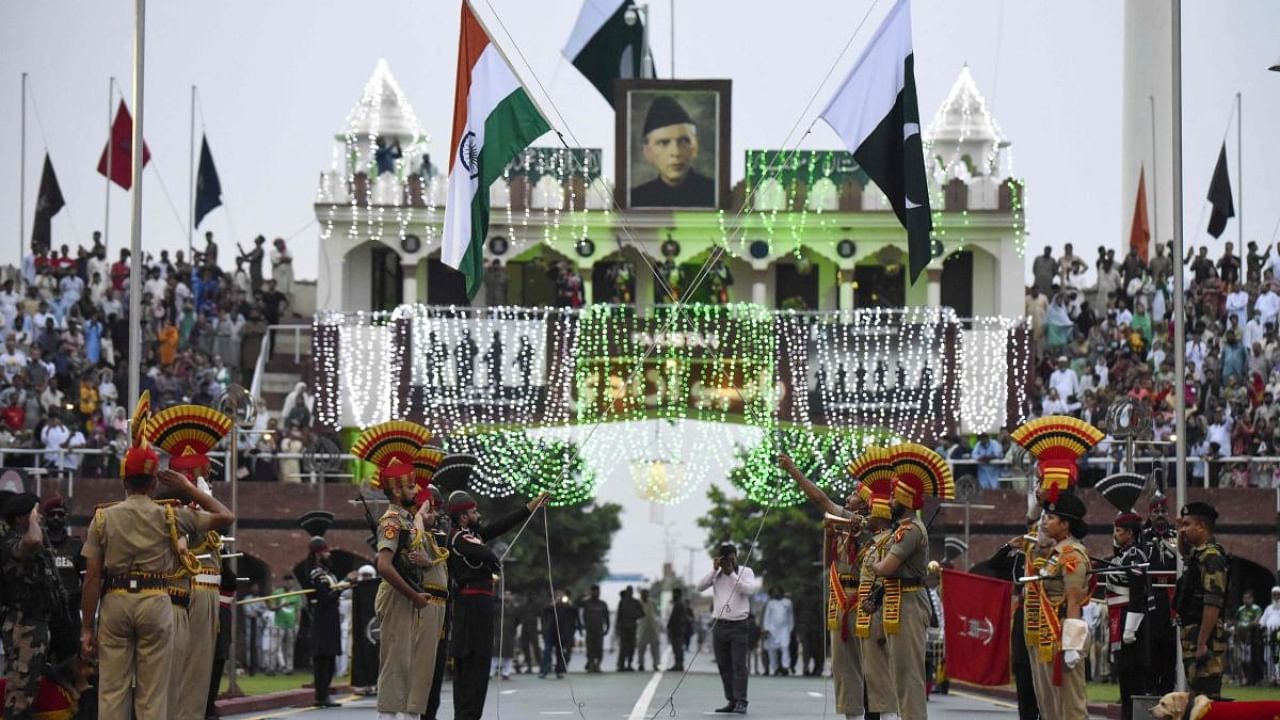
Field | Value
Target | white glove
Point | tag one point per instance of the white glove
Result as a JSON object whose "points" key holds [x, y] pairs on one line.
{"points": [[1033, 506], [1131, 623], [1071, 658], [1075, 632]]}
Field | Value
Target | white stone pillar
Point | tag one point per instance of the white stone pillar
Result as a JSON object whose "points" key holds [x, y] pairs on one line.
{"points": [[933, 296], [846, 290], [409, 289], [760, 287]]}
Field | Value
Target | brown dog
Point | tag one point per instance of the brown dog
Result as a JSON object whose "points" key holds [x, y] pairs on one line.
{"points": [[1174, 705]]}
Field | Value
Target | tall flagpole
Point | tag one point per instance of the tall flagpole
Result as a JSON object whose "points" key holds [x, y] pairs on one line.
{"points": [[106, 213], [22, 174], [1240, 171], [191, 178], [1155, 178], [1179, 316], [135, 219]]}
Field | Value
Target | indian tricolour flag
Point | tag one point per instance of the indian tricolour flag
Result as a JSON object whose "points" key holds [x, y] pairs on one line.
{"points": [[493, 120]]}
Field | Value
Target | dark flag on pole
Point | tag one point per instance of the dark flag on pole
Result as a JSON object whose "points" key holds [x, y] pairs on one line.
{"points": [[876, 115], [365, 634], [120, 145], [208, 188], [48, 202], [1220, 196], [607, 43]]}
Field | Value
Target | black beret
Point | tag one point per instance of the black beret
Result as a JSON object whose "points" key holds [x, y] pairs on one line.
{"points": [[20, 504], [664, 111], [1067, 506], [1200, 510], [728, 549]]}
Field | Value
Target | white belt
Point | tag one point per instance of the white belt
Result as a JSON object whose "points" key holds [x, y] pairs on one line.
{"points": [[1117, 600], [208, 579]]}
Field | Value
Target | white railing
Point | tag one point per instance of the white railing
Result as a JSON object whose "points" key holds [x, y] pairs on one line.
{"points": [[265, 352]]}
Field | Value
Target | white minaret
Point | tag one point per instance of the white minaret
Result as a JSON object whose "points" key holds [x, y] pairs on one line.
{"points": [[1146, 102]]}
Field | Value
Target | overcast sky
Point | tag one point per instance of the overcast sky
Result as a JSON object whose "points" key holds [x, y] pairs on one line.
{"points": [[278, 78]]}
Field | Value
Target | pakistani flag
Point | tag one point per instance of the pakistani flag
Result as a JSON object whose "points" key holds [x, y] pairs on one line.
{"points": [[874, 112], [493, 120], [607, 43], [208, 186]]}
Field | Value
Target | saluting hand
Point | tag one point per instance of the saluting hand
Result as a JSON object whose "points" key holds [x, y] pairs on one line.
{"points": [[174, 479]]}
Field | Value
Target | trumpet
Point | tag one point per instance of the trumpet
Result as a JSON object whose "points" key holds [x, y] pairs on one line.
{"points": [[839, 520]]}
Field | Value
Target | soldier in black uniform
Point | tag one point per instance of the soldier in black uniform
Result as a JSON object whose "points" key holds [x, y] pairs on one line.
{"points": [[440, 531], [1127, 593], [32, 594], [65, 550], [595, 620], [472, 569], [326, 622], [1202, 589], [1158, 546]]}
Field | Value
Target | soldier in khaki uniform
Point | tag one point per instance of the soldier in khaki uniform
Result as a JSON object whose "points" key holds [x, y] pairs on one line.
{"points": [[1057, 442], [873, 470], [882, 698], [1061, 596], [1202, 589], [129, 551], [905, 609], [410, 604], [187, 433]]}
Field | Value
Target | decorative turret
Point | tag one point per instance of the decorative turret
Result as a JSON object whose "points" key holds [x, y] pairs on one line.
{"points": [[964, 141]]}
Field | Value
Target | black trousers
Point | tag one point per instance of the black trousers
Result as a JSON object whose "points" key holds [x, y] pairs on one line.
{"points": [[1133, 681], [1164, 659], [677, 649], [437, 680], [210, 705], [595, 645], [322, 668], [626, 647], [470, 685], [1027, 707], [730, 641]]}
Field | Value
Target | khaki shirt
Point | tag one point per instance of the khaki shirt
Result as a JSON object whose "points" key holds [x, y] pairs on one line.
{"points": [[1067, 568], [133, 535], [390, 525], [911, 546]]}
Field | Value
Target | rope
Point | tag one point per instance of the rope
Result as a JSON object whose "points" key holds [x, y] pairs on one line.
{"points": [[44, 140], [551, 587]]}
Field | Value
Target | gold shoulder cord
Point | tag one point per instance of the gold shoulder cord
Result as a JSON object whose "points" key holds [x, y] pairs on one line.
{"points": [[190, 566]]}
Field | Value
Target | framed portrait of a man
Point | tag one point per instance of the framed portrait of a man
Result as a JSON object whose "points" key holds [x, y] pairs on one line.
{"points": [[672, 140]]}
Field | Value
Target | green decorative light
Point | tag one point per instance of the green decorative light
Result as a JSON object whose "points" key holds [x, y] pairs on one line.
{"points": [[534, 465]]}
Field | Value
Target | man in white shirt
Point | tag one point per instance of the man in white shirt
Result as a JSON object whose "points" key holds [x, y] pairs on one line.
{"points": [[732, 587], [1064, 379], [55, 437], [12, 360], [1237, 304], [1254, 331], [1267, 305]]}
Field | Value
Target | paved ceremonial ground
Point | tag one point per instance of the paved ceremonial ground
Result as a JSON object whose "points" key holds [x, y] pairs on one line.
{"points": [[640, 696]]}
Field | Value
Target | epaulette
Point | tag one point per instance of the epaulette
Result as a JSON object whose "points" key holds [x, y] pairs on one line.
{"points": [[104, 506]]}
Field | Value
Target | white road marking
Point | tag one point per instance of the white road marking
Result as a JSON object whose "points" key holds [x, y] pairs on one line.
{"points": [[814, 694], [641, 708], [509, 692]]}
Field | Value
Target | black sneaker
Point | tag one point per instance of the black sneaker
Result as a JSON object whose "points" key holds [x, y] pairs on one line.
{"points": [[726, 709], [740, 709]]}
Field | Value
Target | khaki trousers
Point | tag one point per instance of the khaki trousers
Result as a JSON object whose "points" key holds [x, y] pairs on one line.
{"points": [[178, 667], [906, 655], [877, 670], [135, 639], [202, 629], [406, 651], [1068, 701], [846, 673]]}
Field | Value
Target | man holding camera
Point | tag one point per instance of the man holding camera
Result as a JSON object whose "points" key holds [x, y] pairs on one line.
{"points": [[732, 587]]}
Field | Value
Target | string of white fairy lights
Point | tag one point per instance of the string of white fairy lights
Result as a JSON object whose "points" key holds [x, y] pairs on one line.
{"points": [[791, 378]]}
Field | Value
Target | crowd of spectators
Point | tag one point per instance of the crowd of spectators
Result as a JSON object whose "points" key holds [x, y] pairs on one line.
{"points": [[64, 365]]}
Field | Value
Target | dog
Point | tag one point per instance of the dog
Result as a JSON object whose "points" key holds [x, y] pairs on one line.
{"points": [[61, 686]]}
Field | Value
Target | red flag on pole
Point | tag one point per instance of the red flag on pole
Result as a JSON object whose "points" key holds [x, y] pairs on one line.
{"points": [[978, 611], [1140, 232], [120, 145]]}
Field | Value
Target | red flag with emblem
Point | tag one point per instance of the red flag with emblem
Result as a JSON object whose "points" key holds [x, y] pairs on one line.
{"points": [[120, 145], [977, 611]]}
